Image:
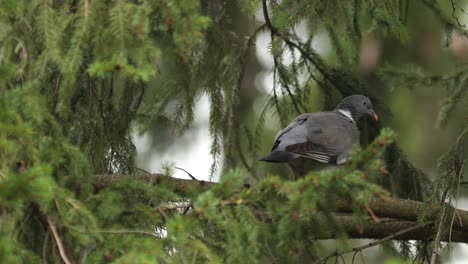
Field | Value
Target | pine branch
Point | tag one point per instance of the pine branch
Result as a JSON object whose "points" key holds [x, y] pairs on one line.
{"points": [[179, 185], [405, 213], [410, 210], [305, 54], [390, 229]]}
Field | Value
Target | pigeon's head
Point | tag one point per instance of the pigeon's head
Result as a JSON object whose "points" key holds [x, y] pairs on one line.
{"points": [[356, 106]]}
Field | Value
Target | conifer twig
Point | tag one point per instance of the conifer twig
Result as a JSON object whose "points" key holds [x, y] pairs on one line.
{"points": [[436, 9], [456, 202], [454, 8], [301, 50], [140, 169], [57, 239], [116, 231], [373, 243], [274, 32], [437, 240], [188, 173], [401, 209]]}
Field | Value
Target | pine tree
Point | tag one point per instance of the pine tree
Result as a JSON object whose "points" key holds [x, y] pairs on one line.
{"points": [[78, 76]]}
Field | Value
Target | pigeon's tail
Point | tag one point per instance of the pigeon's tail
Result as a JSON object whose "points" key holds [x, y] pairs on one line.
{"points": [[278, 156]]}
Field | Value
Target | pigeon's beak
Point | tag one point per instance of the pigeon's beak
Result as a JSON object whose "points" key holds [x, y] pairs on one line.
{"points": [[374, 115]]}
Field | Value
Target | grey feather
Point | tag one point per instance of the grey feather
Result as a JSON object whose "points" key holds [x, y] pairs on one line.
{"points": [[320, 136], [325, 137]]}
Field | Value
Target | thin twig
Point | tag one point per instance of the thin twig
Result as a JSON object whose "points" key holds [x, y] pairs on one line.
{"points": [[140, 169], [459, 142], [242, 64], [305, 54], [456, 203], [57, 239], [188, 173], [439, 230], [453, 13], [355, 10], [437, 240], [374, 243], [164, 216], [274, 32], [118, 231], [436, 9], [44, 247], [187, 209]]}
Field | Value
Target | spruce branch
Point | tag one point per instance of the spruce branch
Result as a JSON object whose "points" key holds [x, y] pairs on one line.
{"points": [[405, 213], [277, 65], [179, 185], [319, 65], [116, 231]]}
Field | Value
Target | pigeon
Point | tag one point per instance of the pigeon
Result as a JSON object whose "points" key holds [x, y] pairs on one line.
{"points": [[323, 139]]}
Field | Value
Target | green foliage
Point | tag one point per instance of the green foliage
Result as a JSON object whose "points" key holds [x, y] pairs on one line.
{"points": [[77, 76], [230, 222], [411, 76]]}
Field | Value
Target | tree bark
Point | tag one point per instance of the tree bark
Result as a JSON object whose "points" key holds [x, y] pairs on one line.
{"points": [[410, 210], [177, 185], [389, 226], [397, 214]]}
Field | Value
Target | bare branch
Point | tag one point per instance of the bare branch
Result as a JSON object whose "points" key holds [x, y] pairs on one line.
{"points": [[437, 240], [188, 173], [58, 241], [374, 243], [389, 226], [409, 210]]}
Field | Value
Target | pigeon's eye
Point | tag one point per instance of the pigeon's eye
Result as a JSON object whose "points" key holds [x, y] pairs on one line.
{"points": [[365, 103]]}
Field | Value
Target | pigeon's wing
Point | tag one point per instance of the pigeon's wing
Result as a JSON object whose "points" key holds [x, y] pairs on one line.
{"points": [[292, 134], [298, 121], [326, 137]]}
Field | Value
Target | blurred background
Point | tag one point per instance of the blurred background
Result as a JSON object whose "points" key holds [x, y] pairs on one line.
{"points": [[415, 107]]}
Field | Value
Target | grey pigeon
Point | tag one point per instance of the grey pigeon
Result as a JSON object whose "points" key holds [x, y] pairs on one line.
{"points": [[324, 139]]}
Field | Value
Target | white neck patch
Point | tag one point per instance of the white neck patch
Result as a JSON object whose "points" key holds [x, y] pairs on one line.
{"points": [[347, 114]]}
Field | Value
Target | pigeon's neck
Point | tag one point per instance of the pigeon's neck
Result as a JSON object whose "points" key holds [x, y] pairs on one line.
{"points": [[347, 113]]}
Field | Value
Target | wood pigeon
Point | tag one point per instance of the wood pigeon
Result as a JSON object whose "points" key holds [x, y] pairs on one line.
{"points": [[323, 139]]}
